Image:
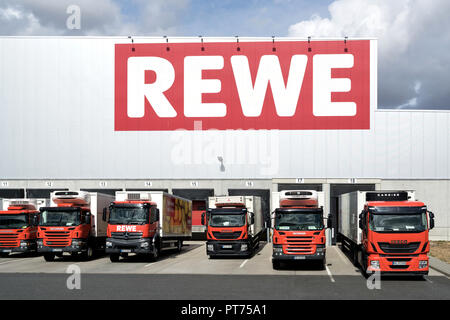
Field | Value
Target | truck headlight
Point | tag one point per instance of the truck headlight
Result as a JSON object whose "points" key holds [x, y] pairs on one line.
{"points": [[278, 249], [320, 249], [40, 243], [244, 247], [109, 244], [144, 244], [423, 264], [210, 247], [23, 244], [375, 264]]}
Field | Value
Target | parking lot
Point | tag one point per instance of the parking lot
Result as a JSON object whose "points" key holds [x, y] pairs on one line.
{"points": [[190, 274]]}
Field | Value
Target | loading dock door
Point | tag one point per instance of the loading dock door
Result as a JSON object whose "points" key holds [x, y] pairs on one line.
{"points": [[199, 198], [12, 193], [335, 191], [42, 193]]}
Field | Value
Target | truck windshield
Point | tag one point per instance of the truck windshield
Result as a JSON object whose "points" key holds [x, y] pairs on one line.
{"points": [[129, 215], [398, 220], [227, 220], [298, 221], [60, 218], [13, 221]]}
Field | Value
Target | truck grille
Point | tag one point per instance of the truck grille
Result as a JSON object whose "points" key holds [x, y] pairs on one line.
{"points": [[296, 249], [126, 235], [227, 235], [302, 239], [8, 240], [399, 248], [57, 238]]}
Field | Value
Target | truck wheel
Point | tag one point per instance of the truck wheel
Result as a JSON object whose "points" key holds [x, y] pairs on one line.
{"points": [[114, 257], [179, 245], [49, 257], [156, 254], [89, 254], [276, 264]]}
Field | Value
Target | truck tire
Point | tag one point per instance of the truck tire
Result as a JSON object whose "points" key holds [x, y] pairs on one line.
{"points": [[49, 257], [179, 245], [276, 265], [156, 253], [88, 254], [114, 257]]}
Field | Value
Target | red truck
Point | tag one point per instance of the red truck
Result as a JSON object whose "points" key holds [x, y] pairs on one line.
{"points": [[73, 224], [18, 225], [234, 225], [386, 231], [146, 223], [298, 227]]}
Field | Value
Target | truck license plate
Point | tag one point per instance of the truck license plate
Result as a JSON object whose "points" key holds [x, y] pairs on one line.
{"points": [[299, 258], [57, 250], [399, 263], [7, 250], [227, 246], [125, 250]]}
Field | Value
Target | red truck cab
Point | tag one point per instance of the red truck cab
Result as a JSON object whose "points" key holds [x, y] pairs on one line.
{"points": [[18, 227], [298, 228], [395, 237]]}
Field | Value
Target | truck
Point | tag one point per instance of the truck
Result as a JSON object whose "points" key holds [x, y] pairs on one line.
{"points": [[386, 231], [73, 224], [298, 227], [146, 223], [234, 225], [18, 225]]}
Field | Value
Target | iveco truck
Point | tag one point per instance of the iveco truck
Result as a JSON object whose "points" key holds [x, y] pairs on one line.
{"points": [[147, 222], [73, 224], [298, 227], [234, 225], [18, 225], [386, 231]]}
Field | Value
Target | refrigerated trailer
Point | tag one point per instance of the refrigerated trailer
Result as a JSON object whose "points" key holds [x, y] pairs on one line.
{"points": [[18, 225], [386, 231], [73, 224], [235, 225], [147, 222], [298, 227]]}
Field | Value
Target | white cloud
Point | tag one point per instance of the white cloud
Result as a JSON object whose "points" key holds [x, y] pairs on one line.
{"points": [[413, 45]]}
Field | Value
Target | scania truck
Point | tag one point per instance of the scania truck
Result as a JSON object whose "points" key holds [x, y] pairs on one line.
{"points": [[234, 225], [18, 225], [298, 227], [386, 231], [146, 223], [73, 224]]}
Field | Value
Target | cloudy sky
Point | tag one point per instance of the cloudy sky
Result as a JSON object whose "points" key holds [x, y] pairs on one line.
{"points": [[414, 37]]}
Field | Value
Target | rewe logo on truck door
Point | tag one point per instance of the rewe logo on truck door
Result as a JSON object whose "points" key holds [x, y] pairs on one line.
{"points": [[246, 85]]}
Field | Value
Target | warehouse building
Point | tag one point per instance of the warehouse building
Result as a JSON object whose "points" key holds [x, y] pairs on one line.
{"points": [[60, 129]]}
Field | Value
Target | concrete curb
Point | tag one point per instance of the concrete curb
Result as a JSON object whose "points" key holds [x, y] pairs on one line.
{"points": [[440, 266]]}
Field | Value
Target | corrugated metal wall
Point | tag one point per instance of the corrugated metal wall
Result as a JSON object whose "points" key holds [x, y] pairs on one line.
{"points": [[57, 121]]}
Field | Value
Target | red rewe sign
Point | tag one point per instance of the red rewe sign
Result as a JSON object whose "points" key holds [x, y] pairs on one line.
{"points": [[244, 85]]}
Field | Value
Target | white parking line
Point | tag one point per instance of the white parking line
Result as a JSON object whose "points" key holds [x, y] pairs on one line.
{"points": [[426, 278], [329, 273], [243, 263], [341, 255]]}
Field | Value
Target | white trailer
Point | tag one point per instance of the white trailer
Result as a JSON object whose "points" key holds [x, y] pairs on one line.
{"points": [[350, 206]]}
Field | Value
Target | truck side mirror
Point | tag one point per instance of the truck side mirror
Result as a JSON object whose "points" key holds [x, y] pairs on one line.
{"points": [[104, 214], [252, 218], [88, 219], [431, 220], [330, 221], [203, 219], [156, 215], [360, 222], [35, 220]]}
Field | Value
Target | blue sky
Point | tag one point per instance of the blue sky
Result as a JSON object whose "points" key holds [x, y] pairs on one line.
{"points": [[413, 42]]}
